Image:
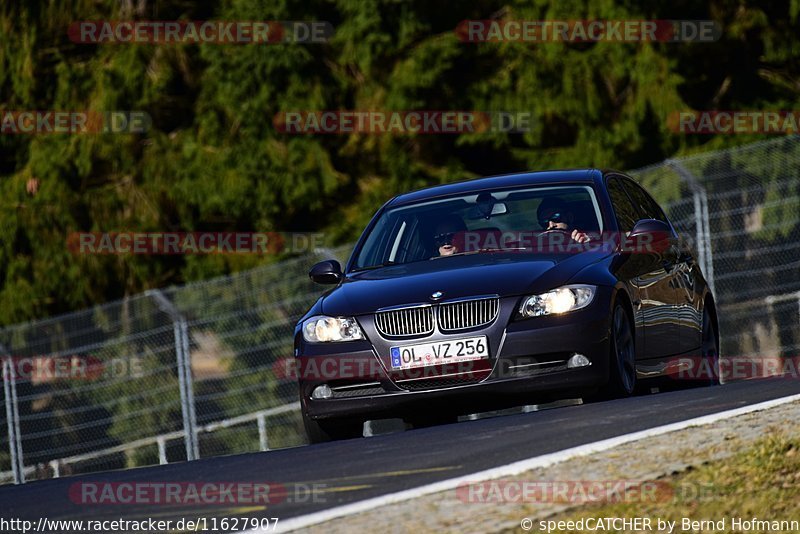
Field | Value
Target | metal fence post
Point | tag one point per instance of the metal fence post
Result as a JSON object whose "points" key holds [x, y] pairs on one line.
{"points": [[12, 414], [55, 465], [698, 225], [709, 270], [162, 450], [189, 385], [702, 224], [262, 432], [184, 365]]}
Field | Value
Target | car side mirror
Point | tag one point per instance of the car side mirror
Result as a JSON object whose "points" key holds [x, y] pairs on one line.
{"points": [[326, 272], [648, 235]]}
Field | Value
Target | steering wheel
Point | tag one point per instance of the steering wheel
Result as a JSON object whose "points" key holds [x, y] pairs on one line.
{"points": [[567, 232]]}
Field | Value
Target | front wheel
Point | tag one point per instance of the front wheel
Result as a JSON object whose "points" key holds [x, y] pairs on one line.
{"points": [[622, 357], [332, 430], [429, 420]]}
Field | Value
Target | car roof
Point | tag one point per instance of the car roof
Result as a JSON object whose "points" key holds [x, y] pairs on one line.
{"points": [[499, 182]]}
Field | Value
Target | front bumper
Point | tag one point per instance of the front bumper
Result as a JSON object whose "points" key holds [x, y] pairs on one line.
{"points": [[527, 364]]}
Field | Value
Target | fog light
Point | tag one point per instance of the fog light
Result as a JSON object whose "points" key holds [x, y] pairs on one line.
{"points": [[578, 360], [322, 392]]}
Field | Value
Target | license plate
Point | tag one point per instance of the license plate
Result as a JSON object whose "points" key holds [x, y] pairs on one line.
{"points": [[439, 352]]}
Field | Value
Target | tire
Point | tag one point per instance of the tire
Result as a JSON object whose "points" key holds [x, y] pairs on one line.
{"points": [[622, 358], [332, 430], [705, 370], [425, 421], [710, 349]]}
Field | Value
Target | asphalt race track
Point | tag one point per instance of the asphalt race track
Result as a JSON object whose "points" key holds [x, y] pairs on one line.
{"points": [[354, 470]]}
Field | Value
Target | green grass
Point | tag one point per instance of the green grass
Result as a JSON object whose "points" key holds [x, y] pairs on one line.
{"points": [[762, 481]]}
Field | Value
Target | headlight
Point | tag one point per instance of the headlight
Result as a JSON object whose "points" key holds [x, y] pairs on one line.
{"points": [[561, 300], [322, 328]]}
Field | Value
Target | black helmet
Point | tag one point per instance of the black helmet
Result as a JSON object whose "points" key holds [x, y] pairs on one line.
{"points": [[449, 224], [552, 208]]}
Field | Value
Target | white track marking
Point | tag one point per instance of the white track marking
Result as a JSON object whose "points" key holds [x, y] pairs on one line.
{"points": [[515, 468]]}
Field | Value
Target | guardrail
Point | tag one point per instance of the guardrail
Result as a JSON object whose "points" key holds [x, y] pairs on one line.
{"points": [[260, 417]]}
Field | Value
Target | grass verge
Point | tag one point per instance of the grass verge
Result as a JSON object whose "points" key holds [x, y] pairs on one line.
{"points": [[761, 483]]}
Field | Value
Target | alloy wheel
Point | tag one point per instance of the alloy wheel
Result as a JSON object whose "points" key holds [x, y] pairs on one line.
{"points": [[624, 351]]}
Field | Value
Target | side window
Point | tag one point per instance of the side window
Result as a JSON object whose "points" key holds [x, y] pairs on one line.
{"points": [[646, 205], [657, 209], [623, 208], [416, 247]]}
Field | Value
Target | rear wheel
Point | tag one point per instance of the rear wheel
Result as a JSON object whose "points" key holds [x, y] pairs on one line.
{"points": [[332, 430], [710, 348]]}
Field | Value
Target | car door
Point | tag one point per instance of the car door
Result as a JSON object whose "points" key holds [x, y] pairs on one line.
{"points": [[673, 261], [688, 302], [652, 278]]}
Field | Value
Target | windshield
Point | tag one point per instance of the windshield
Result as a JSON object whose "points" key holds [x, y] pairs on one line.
{"points": [[477, 222]]}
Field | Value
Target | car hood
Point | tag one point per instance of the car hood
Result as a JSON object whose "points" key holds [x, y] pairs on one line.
{"points": [[504, 274]]}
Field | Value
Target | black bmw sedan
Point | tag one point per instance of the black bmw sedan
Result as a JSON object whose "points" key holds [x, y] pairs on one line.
{"points": [[501, 291]]}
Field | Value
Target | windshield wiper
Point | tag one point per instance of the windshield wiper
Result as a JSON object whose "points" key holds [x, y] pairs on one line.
{"points": [[480, 250], [372, 267]]}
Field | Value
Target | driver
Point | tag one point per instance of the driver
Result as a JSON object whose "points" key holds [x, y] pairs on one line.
{"points": [[446, 228], [553, 214]]}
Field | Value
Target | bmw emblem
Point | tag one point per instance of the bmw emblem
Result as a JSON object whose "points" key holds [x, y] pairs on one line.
{"points": [[436, 295]]}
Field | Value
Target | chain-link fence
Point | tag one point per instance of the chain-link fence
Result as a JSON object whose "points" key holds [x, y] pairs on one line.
{"points": [[199, 370], [741, 207], [169, 375]]}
